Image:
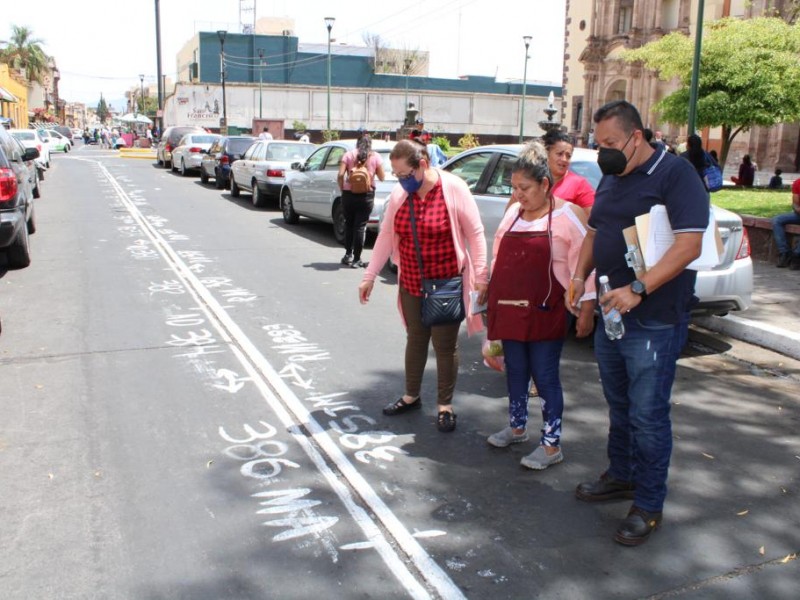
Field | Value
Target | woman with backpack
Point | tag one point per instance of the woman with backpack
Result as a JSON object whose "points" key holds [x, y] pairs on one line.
{"points": [[357, 172]]}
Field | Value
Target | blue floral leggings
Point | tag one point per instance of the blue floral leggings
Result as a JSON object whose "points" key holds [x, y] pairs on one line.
{"points": [[540, 361]]}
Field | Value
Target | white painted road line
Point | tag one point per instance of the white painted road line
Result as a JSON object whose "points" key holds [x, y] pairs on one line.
{"points": [[320, 447]]}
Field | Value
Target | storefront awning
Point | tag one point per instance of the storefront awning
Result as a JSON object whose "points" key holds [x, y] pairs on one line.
{"points": [[6, 96]]}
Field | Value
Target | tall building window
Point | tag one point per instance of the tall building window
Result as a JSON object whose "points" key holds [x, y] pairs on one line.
{"points": [[625, 19]]}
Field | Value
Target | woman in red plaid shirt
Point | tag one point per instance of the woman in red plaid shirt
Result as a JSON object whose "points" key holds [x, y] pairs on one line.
{"points": [[451, 241]]}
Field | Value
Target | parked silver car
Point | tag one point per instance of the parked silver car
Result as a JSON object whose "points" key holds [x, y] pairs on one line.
{"points": [[262, 168], [186, 156], [311, 189], [487, 171]]}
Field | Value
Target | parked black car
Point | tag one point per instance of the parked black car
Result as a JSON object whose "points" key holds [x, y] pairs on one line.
{"points": [[17, 220], [217, 163]]}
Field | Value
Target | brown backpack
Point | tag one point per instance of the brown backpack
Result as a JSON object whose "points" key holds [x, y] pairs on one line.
{"points": [[360, 179]]}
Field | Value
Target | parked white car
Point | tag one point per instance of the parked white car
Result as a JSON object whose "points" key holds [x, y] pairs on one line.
{"points": [[487, 171], [311, 188], [262, 168], [186, 156], [34, 138]]}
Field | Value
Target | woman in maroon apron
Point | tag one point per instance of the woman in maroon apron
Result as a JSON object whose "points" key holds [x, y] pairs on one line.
{"points": [[536, 248]]}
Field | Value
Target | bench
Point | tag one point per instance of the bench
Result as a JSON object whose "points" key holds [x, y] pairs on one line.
{"points": [[762, 246]]}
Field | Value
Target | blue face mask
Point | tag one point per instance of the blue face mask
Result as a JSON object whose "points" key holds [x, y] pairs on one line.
{"points": [[410, 184]]}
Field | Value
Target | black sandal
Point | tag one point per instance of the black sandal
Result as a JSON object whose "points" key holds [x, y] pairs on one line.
{"points": [[399, 407], [446, 421]]}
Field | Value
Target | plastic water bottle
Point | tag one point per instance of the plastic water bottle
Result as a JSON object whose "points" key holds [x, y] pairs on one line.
{"points": [[612, 320]]}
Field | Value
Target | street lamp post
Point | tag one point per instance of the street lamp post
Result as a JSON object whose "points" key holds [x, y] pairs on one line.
{"points": [[527, 40], [407, 65], [698, 42], [329, 24], [260, 83], [223, 125], [141, 84]]}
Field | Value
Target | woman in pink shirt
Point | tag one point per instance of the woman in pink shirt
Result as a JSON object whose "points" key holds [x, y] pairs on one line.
{"points": [[567, 185], [357, 206], [539, 237]]}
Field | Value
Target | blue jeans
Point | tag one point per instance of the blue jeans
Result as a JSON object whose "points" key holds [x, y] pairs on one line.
{"points": [[537, 360], [779, 233], [637, 372]]}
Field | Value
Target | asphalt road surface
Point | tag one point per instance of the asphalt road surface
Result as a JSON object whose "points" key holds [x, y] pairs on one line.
{"points": [[191, 408]]}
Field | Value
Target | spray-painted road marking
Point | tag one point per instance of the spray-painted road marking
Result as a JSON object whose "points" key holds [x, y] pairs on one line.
{"points": [[380, 525]]}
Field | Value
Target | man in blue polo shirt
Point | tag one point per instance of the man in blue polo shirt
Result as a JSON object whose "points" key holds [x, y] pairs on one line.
{"points": [[637, 370]]}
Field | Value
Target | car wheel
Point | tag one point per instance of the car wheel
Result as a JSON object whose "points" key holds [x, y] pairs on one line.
{"points": [[159, 162], [36, 192], [338, 222], [259, 200], [289, 216], [203, 176], [31, 224], [184, 172], [219, 182], [19, 252], [235, 191]]}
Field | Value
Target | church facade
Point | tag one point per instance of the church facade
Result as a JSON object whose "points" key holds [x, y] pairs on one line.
{"points": [[596, 33]]}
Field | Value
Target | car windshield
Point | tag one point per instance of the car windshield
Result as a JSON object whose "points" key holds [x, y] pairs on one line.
{"points": [[203, 139], [387, 164], [588, 170], [290, 152], [239, 145]]}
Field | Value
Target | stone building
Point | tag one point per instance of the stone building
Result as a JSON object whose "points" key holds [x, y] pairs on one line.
{"points": [[597, 31]]}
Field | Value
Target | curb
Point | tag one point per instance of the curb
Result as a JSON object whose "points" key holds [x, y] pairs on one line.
{"points": [[761, 334]]}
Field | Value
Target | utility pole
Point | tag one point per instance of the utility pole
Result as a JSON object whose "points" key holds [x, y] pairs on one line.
{"points": [[260, 83]]}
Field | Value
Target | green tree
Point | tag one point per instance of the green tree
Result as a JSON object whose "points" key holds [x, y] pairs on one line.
{"points": [[749, 75], [23, 51], [102, 109]]}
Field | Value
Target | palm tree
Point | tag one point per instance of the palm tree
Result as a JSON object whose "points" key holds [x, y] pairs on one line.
{"points": [[23, 51]]}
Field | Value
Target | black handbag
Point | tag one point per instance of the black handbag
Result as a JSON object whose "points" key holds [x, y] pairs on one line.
{"points": [[442, 299]]}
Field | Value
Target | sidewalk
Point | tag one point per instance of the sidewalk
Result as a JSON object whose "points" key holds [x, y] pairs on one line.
{"points": [[772, 320]]}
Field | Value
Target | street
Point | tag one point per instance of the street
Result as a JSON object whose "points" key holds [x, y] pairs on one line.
{"points": [[191, 405]]}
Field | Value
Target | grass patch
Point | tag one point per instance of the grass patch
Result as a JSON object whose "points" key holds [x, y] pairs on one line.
{"points": [[754, 201]]}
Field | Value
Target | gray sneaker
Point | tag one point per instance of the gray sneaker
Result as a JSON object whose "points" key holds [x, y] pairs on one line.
{"points": [[506, 437], [539, 459]]}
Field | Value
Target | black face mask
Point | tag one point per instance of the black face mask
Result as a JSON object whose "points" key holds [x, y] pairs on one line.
{"points": [[612, 161]]}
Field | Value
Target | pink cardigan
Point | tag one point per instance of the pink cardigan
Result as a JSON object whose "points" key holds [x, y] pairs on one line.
{"points": [[568, 232], [468, 239]]}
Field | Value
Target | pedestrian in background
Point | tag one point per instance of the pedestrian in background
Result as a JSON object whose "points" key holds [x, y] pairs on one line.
{"points": [[540, 236], [776, 181], [357, 205], [451, 241], [696, 155], [747, 172], [787, 257], [637, 370], [567, 184]]}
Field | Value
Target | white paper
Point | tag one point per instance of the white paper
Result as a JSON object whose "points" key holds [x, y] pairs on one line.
{"points": [[660, 238], [475, 307]]}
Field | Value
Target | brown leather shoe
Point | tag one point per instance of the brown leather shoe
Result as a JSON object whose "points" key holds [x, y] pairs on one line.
{"points": [[637, 526], [605, 488]]}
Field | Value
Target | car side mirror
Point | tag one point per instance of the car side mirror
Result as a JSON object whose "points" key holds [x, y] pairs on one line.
{"points": [[30, 154], [297, 166]]}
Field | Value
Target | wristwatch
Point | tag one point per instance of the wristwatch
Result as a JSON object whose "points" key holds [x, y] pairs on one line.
{"points": [[638, 287]]}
